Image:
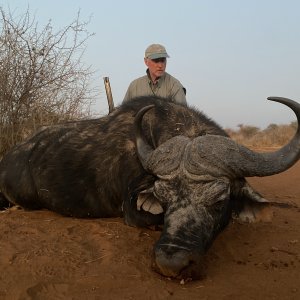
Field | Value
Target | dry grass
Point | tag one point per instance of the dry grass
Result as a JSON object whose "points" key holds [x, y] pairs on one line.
{"points": [[273, 136]]}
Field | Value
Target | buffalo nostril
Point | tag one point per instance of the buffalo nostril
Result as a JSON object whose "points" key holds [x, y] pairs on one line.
{"points": [[178, 264], [170, 265]]}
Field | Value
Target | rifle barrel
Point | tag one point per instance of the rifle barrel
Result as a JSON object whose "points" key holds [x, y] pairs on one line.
{"points": [[109, 96]]}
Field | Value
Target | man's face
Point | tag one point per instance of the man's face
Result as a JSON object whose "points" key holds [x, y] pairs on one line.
{"points": [[156, 67]]}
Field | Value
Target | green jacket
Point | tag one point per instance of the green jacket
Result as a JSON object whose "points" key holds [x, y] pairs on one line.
{"points": [[166, 87]]}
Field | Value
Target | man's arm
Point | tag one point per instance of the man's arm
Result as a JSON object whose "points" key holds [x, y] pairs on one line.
{"points": [[128, 94], [179, 97]]}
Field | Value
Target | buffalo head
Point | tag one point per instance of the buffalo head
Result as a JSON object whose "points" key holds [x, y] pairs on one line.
{"points": [[197, 181]]}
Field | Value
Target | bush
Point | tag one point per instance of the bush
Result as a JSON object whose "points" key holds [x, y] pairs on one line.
{"points": [[42, 77], [273, 136]]}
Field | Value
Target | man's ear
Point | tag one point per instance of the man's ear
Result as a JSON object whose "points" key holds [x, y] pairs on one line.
{"points": [[146, 61]]}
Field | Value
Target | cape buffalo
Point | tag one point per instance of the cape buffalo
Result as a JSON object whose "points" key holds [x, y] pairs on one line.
{"points": [[152, 162]]}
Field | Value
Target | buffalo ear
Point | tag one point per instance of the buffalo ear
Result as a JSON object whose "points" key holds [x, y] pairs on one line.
{"points": [[133, 208], [147, 202], [249, 205], [252, 212]]}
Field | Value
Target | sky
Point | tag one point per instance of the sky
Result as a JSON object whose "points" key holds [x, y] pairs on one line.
{"points": [[230, 55]]}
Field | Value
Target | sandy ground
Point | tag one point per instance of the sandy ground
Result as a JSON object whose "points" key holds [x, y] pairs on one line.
{"points": [[46, 256]]}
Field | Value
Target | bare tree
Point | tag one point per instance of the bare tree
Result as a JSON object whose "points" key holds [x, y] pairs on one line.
{"points": [[42, 77]]}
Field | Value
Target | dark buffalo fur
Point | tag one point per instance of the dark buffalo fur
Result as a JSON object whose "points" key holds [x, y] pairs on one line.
{"points": [[90, 168], [192, 183]]}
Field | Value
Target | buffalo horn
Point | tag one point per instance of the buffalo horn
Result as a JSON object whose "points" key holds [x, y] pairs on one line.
{"points": [[275, 162], [220, 155], [144, 150]]}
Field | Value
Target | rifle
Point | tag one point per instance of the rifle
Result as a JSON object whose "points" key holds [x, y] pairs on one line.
{"points": [[109, 96]]}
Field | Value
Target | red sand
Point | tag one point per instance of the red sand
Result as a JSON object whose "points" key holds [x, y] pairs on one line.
{"points": [[46, 256]]}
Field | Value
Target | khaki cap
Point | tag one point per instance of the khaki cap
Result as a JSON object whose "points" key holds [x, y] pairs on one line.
{"points": [[155, 51]]}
